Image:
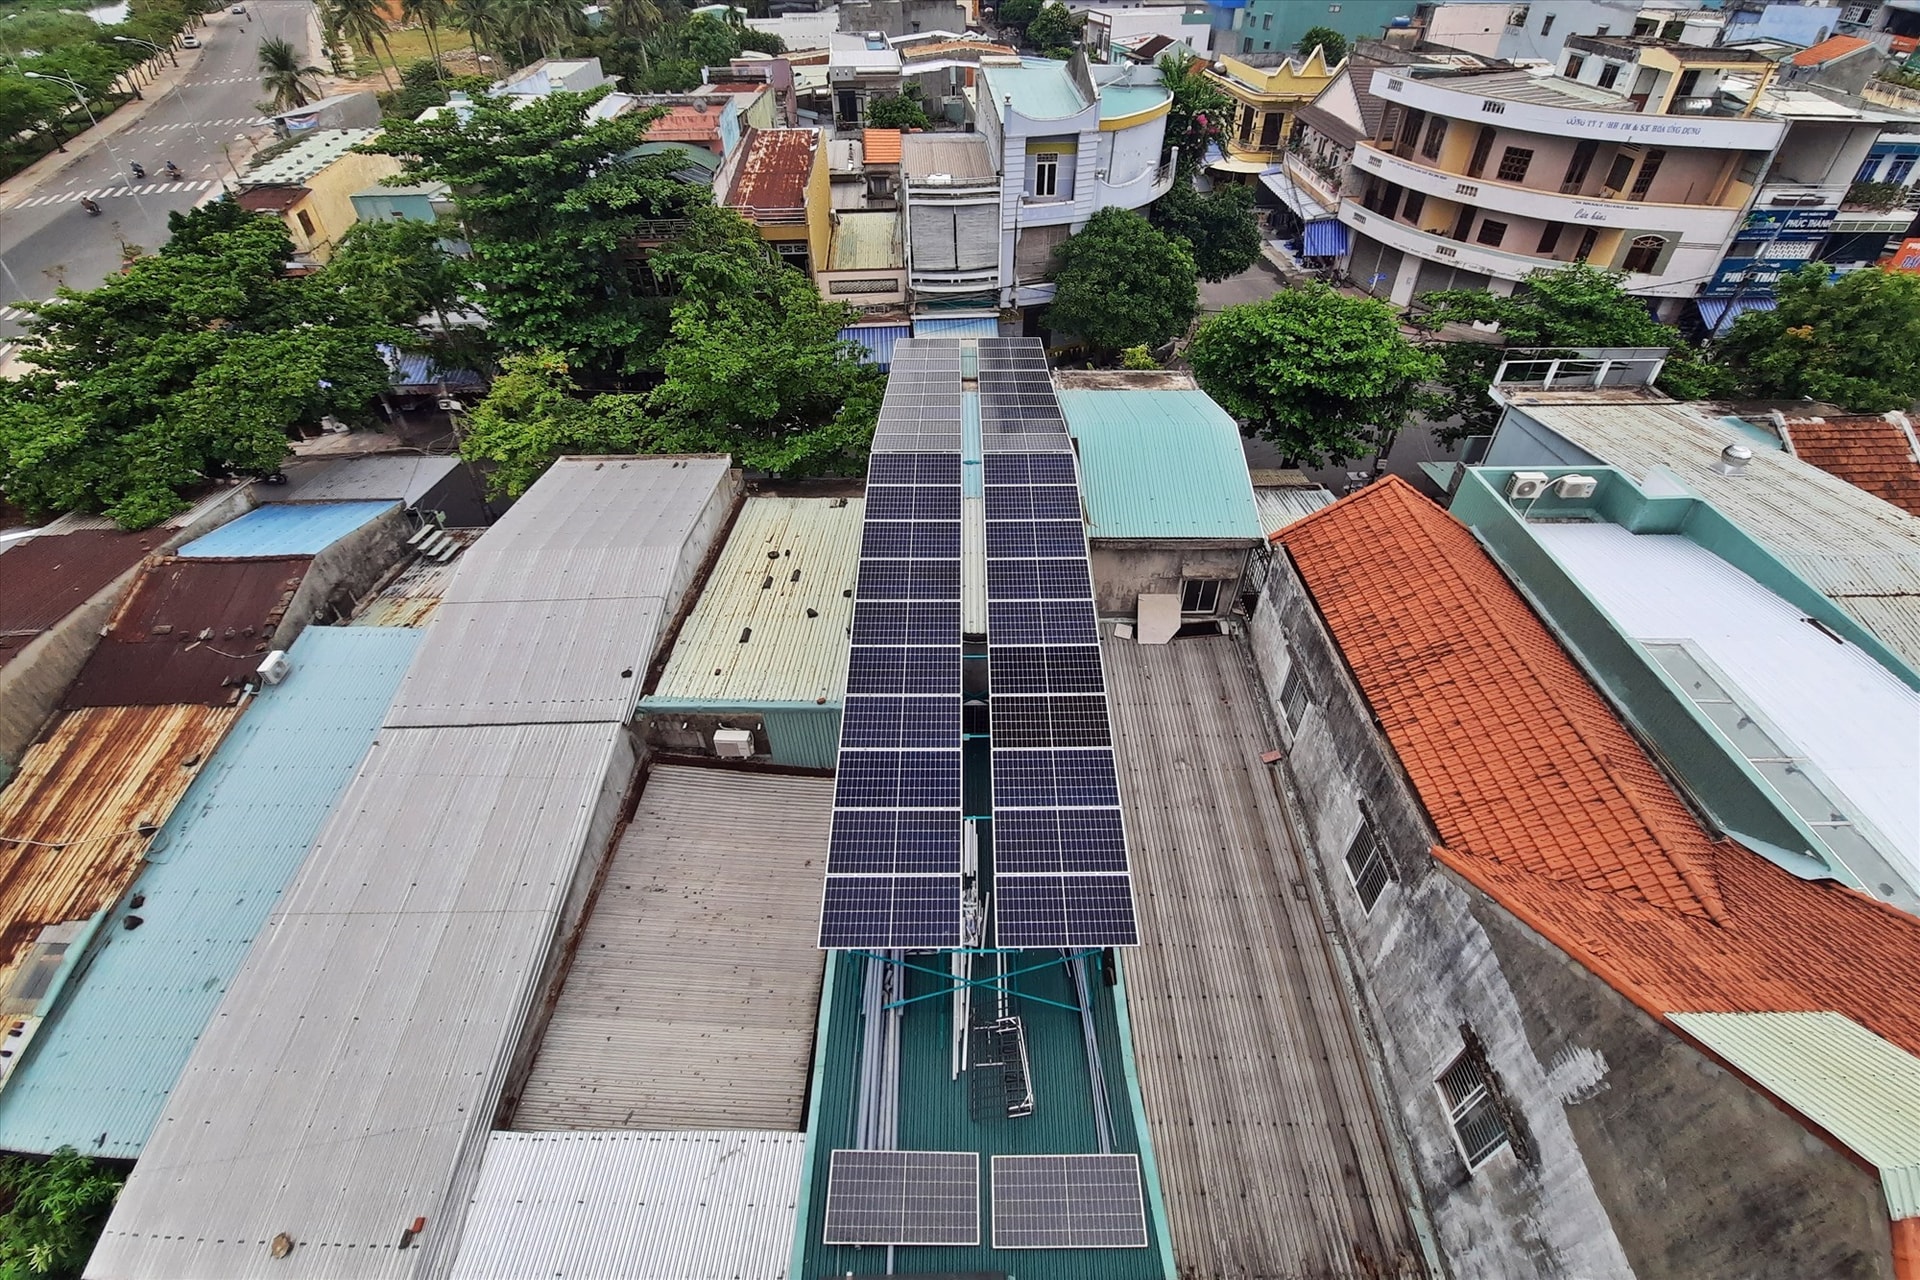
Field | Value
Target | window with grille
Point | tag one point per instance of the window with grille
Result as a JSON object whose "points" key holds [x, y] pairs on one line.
{"points": [[1472, 1109], [1588, 239], [1366, 865], [1200, 595], [1514, 162], [1648, 172], [1436, 135], [1491, 233], [1583, 153], [1293, 699], [1644, 254]]}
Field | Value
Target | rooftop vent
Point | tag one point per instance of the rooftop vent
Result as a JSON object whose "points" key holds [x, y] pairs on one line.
{"points": [[1733, 460]]}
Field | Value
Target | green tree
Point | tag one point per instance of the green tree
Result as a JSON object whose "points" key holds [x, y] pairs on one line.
{"points": [[485, 24], [1199, 113], [1577, 305], [531, 416], [190, 364], [1323, 376], [362, 22], [1121, 283], [1331, 43], [1017, 13], [396, 270], [288, 80], [1218, 226], [431, 15], [55, 1209], [189, 229], [553, 203], [1854, 341], [535, 25], [897, 111], [1054, 29]]}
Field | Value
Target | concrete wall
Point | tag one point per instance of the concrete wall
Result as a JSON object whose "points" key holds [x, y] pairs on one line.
{"points": [[344, 572], [1124, 570], [329, 202], [1636, 1154]]}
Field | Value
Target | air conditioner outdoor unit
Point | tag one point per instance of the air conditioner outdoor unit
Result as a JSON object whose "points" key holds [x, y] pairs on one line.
{"points": [[733, 744], [1523, 486], [1575, 486], [274, 667]]}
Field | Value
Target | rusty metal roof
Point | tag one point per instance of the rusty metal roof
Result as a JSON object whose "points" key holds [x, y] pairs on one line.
{"points": [[189, 631], [45, 578], [76, 819], [774, 171]]}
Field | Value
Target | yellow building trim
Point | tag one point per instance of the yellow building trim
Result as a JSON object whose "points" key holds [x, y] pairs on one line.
{"points": [[1110, 125], [1066, 145]]}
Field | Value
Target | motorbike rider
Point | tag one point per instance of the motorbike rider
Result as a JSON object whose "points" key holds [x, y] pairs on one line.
{"points": [[138, 171], [173, 170], [88, 204]]}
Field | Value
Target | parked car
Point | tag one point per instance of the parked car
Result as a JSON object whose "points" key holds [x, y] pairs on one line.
{"points": [[239, 8], [189, 42]]}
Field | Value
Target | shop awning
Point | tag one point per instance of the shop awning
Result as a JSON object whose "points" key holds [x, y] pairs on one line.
{"points": [[1325, 238], [1292, 194], [878, 339], [1718, 314], [956, 326]]}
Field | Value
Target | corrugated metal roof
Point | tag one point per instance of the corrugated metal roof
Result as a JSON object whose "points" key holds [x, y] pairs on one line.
{"points": [[77, 815], [1231, 959], [286, 529], [1855, 1085], [103, 1063], [348, 1082], [692, 996], [307, 157], [153, 651], [1861, 552], [1281, 507], [773, 172], [638, 1206], [868, 241], [196, 511], [412, 599], [1040, 88], [395, 477], [418, 369], [956, 326], [43, 579], [877, 340], [781, 582], [1160, 464], [555, 611]]}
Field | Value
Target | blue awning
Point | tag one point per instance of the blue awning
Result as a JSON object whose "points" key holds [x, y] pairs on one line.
{"points": [[416, 369], [1325, 238], [956, 326], [1719, 313], [878, 339]]}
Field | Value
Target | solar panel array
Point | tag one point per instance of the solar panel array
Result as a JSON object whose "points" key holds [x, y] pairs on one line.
{"points": [[1068, 1202], [893, 864], [1059, 856], [903, 1197]]}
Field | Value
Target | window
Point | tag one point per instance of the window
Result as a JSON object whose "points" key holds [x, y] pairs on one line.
{"points": [[1587, 240], [1293, 698], [1415, 206], [1482, 148], [1689, 81], [306, 223], [1389, 126], [1644, 255], [1514, 162], [1200, 595], [1266, 22], [1575, 61], [1471, 1107], [1464, 223], [1366, 865], [1549, 238], [1546, 25], [1436, 135], [1046, 173], [1648, 172], [1617, 173], [1270, 129], [1867, 170], [1900, 170], [1247, 116], [1491, 233], [1609, 73], [1583, 152], [1246, 44]]}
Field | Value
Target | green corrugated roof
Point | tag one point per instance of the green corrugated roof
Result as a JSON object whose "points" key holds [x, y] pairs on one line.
{"points": [[1161, 464], [1863, 1090]]}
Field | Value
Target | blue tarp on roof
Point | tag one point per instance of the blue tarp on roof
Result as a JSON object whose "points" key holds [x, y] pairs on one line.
{"points": [[286, 529], [110, 1053], [416, 369], [878, 339], [1325, 238], [956, 326], [1720, 313]]}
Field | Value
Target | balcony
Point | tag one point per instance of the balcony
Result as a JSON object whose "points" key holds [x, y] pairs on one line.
{"points": [[1699, 223], [1517, 100], [1320, 183], [1143, 190]]}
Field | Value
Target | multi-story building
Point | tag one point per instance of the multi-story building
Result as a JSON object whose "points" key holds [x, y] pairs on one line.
{"points": [[311, 186], [1634, 158], [1267, 89], [1274, 26]]}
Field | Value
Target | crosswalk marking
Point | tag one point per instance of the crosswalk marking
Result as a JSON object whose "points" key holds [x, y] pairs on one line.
{"points": [[11, 315], [111, 193], [252, 122]]}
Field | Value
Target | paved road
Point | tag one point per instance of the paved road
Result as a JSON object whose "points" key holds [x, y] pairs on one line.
{"points": [[47, 239]]}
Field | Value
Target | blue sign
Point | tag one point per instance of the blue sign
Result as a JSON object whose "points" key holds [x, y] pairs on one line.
{"points": [[1790, 224]]}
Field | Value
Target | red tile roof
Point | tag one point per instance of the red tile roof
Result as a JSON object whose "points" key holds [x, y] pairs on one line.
{"points": [[880, 146], [1827, 50], [1866, 451], [1543, 799], [774, 171]]}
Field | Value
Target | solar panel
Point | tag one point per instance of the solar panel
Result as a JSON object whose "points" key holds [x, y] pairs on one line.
{"points": [[882, 911], [922, 778], [1030, 468], [1037, 622], [911, 539], [908, 668], [909, 580], [1081, 777], [906, 621], [1055, 579], [1013, 538], [1068, 1202], [894, 842], [1046, 669], [1065, 910], [899, 722], [903, 1198]]}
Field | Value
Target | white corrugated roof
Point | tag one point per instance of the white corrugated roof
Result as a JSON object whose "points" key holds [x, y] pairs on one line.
{"points": [[1863, 553], [1860, 1088], [635, 1206], [1280, 507], [786, 559]]}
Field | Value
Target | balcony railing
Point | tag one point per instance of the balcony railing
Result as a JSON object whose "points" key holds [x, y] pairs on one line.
{"points": [[774, 217], [1145, 189]]}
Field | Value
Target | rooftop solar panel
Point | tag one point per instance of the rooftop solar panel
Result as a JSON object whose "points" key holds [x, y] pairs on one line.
{"points": [[1064, 910], [903, 1198], [906, 621], [919, 912], [1053, 622], [1068, 1202]]}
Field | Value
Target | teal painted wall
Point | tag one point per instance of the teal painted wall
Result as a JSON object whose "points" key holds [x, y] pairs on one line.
{"points": [[804, 736], [1274, 25]]}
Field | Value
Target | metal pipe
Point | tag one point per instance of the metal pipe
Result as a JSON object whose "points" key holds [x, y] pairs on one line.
{"points": [[1096, 1073]]}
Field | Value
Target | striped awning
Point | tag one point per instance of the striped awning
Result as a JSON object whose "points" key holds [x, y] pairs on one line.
{"points": [[1718, 314], [956, 326], [878, 339], [1325, 238]]}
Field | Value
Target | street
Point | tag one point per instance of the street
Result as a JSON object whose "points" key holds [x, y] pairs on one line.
{"points": [[47, 239]]}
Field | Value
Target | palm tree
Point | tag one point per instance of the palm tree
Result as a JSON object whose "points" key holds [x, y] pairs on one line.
{"points": [[282, 75], [542, 23], [634, 17], [362, 22], [430, 14], [482, 21]]}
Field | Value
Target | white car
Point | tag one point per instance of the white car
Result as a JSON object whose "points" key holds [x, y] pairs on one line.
{"points": [[238, 9], [189, 42]]}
